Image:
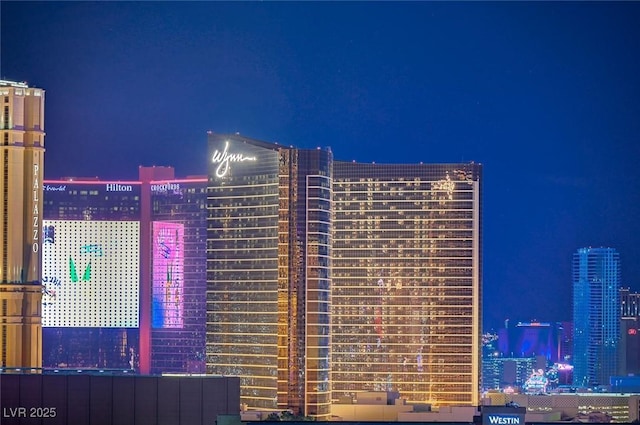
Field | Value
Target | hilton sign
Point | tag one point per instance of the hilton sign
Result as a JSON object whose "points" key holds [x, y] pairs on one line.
{"points": [[117, 187]]}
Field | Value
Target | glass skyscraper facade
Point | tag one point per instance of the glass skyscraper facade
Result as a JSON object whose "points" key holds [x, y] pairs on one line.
{"points": [[629, 333], [596, 315], [268, 272], [325, 279], [407, 278], [309, 279], [178, 275]]}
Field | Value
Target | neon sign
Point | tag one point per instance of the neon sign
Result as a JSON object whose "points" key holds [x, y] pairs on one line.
{"points": [[59, 188], [503, 420], [117, 187], [224, 158], [35, 214], [164, 187]]}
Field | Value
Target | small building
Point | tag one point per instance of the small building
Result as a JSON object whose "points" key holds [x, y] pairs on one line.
{"points": [[618, 407]]}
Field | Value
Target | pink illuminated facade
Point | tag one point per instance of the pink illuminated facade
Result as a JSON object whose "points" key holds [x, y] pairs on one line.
{"points": [[167, 307]]}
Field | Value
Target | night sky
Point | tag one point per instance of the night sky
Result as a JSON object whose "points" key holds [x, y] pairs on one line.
{"points": [[546, 95]]}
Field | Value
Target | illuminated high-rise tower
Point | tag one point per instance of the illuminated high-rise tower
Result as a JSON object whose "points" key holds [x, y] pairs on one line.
{"points": [[407, 281], [22, 156], [629, 333], [596, 315], [268, 272]]}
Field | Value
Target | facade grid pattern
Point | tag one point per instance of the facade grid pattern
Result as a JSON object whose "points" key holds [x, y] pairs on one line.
{"points": [[407, 281], [629, 303], [596, 315], [180, 348], [268, 264], [242, 274]]}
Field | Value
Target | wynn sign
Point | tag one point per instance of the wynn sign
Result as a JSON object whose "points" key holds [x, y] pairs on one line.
{"points": [[224, 158]]}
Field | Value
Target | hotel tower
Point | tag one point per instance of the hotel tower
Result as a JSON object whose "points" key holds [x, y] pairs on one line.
{"points": [[123, 269], [22, 156], [406, 281], [325, 279], [268, 272], [596, 315]]}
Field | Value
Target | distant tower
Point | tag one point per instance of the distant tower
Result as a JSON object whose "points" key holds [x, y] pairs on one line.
{"points": [[629, 304], [22, 157], [596, 315], [629, 347]]}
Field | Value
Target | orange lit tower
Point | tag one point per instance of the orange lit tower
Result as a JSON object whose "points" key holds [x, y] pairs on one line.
{"points": [[268, 272], [406, 281], [22, 157]]}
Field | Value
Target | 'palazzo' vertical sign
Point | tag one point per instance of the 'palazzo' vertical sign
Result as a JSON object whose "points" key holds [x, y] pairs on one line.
{"points": [[36, 213]]}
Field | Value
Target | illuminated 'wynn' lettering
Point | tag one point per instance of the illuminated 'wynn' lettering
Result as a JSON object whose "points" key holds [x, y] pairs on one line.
{"points": [[224, 158]]}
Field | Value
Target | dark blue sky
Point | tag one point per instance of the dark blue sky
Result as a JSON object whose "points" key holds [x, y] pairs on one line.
{"points": [[545, 94]]}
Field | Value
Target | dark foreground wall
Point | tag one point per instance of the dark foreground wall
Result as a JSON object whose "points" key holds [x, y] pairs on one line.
{"points": [[116, 400]]}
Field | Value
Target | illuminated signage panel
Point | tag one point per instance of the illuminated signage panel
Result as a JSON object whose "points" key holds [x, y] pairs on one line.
{"points": [[504, 420], [35, 212], [496, 418], [224, 158], [168, 275], [165, 187], [52, 188], [117, 187], [90, 273]]}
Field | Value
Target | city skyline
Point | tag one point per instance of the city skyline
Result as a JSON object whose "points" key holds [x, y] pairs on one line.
{"points": [[543, 95]]}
